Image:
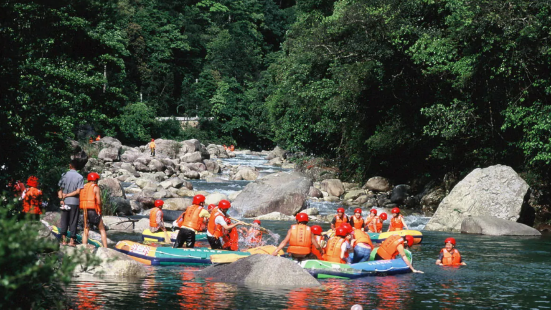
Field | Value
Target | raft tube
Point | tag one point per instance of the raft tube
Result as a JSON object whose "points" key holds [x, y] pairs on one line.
{"points": [[78, 239], [325, 270], [380, 237], [166, 256], [159, 236]]}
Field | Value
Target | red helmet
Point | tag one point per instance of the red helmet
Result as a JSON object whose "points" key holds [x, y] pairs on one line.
{"points": [[197, 199], [92, 176], [341, 231], [340, 210], [395, 210], [373, 211], [346, 226], [358, 210], [450, 240], [383, 216], [302, 217], [223, 204], [409, 240], [211, 207], [316, 229], [152, 140], [159, 203], [32, 181], [257, 221]]}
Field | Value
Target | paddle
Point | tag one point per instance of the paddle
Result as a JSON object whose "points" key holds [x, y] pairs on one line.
{"points": [[167, 238], [247, 224]]}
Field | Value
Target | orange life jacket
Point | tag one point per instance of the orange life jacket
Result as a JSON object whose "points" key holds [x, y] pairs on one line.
{"points": [[373, 224], [32, 201], [254, 235], [88, 198], [396, 223], [389, 248], [98, 138], [301, 240], [153, 217], [315, 251], [361, 236], [340, 221], [231, 240], [152, 145], [213, 228], [333, 250], [191, 218], [358, 223], [452, 258]]}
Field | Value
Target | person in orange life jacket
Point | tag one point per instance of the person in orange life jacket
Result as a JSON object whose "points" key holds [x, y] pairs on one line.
{"points": [[394, 246], [156, 218], [373, 222], [357, 221], [190, 222], [300, 239], [362, 245], [217, 222], [70, 185], [230, 238], [339, 219], [383, 217], [317, 230], [17, 187], [98, 138], [253, 235], [338, 247], [152, 147], [449, 256], [397, 221], [90, 202], [32, 199]]}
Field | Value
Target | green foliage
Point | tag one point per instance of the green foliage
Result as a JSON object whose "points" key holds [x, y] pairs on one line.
{"points": [[135, 121]]}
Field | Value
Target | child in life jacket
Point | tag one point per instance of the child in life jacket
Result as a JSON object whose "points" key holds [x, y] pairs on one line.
{"points": [[449, 256]]}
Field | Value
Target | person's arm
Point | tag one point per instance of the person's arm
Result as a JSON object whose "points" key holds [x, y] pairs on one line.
{"points": [[333, 223], [60, 196], [228, 227], [97, 193], [160, 221], [283, 243], [316, 244], [405, 258], [440, 257]]}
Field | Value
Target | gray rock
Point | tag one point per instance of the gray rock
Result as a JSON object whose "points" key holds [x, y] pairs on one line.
{"points": [[113, 186], [215, 198], [130, 155], [118, 223], [160, 194], [314, 192], [166, 184], [192, 174], [277, 152], [156, 165], [493, 226], [353, 194], [110, 142], [199, 167], [495, 191], [164, 147], [275, 216], [140, 166], [275, 161], [128, 167], [333, 187], [109, 154], [399, 193], [286, 192], [261, 270], [430, 201], [246, 173], [178, 204], [377, 184], [212, 166], [190, 146], [111, 263], [311, 211], [121, 205], [233, 195]]}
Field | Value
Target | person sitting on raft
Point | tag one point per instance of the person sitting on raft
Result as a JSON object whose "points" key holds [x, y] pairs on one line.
{"points": [[339, 219], [449, 255], [397, 221], [317, 230], [90, 202], [373, 222], [191, 221], [362, 246], [394, 246], [156, 218], [217, 222], [253, 235], [338, 247], [357, 220], [300, 239]]}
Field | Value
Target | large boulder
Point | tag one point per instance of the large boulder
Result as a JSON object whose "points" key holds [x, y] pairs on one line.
{"points": [[246, 173], [118, 223], [130, 155], [120, 205], [110, 142], [377, 184], [286, 192], [495, 191], [109, 263], [113, 186], [333, 187], [261, 270], [177, 204], [109, 154], [277, 153], [399, 193], [212, 166], [194, 157], [275, 216], [215, 198], [164, 147], [493, 226]]}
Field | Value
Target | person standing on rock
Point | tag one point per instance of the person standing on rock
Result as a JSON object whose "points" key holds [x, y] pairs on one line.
{"points": [[449, 255], [70, 185], [397, 222], [357, 220], [217, 225], [90, 203], [395, 246], [32, 199], [373, 222], [338, 247], [152, 147], [156, 218], [339, 219], [190, 222], [300, 239]]}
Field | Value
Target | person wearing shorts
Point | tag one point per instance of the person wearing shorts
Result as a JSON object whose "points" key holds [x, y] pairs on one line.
{"points": [[90, 203]]}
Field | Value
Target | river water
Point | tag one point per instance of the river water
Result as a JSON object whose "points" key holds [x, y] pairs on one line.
{"points": [[501, 273]]}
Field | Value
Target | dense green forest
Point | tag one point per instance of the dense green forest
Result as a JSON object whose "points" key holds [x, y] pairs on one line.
{"points": [[403, 89]]}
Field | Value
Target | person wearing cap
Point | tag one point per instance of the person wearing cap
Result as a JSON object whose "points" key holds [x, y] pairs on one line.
{"points": [[152, 147], [70, 185], [218, 225], [191, 221], [339, 219], [156, 217], [449, 255], [32, 199], [253, 235], [300, 239], [90, 203], [395, 246]]}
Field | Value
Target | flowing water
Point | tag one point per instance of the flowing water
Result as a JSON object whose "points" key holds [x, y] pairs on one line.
{"points": [[501, 273]]}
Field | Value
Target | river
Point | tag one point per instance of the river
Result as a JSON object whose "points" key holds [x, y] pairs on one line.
{"points": [[501, 273]]}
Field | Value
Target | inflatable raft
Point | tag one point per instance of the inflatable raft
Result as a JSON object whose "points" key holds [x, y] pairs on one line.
{"points": [[380, 237], [78, 240], [159, 236], [323, 270]]}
